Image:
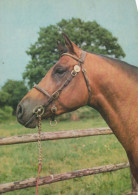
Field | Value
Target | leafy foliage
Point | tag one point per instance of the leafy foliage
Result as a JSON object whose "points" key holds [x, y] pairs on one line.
{"points": [[5, 113], [4, 98], [90, 36], [12, 92]]}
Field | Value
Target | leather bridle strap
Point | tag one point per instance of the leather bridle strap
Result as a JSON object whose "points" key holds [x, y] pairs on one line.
{"points": [[56, 94], [42, 90], [87, 83], [81, 62]]}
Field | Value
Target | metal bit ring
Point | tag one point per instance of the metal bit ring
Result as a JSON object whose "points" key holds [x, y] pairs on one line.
{"points": [[39, 110]]}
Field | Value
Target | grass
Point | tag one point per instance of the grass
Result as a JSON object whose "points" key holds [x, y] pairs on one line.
{"points": [[19, 162]]}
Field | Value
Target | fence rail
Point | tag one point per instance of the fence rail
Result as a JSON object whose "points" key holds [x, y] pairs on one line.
{"points": [[31, 182], [45, 136]]}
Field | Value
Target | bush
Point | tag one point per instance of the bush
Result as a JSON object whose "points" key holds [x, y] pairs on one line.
{"points": [[5, 113], [82, 113], [15, 90], [4, 98]]}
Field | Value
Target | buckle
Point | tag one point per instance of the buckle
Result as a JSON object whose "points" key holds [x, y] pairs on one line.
{"points": [[73, 73], [54, 109]]}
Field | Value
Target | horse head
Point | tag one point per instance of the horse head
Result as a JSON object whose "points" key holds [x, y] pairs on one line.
{"points": [[63, 89]]}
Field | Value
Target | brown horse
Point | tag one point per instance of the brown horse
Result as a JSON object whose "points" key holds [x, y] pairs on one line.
{"points": [[80, 78]]}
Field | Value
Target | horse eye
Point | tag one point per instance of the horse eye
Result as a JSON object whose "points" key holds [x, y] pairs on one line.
{"points": [[60, 71]]}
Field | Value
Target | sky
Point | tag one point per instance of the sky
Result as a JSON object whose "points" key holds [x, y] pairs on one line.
{"points": [[20, 22]]}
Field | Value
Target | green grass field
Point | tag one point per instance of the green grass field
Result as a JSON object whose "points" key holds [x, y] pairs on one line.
{"points": [[19, 162]]}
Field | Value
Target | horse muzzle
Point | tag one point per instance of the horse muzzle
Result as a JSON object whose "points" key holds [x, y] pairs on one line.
{"points": [[28, 114], [25, 118]]}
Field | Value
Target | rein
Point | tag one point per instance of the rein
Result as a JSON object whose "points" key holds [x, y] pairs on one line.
{"points": [[40, 110], [40, 152]]}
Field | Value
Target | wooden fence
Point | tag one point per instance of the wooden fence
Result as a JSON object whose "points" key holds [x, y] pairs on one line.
{"points": [[31, 182]]}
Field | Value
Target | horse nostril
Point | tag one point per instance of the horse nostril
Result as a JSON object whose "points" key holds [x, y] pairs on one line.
{"points": [[19, 111]]}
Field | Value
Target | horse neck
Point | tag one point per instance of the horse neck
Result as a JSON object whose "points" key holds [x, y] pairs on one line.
{"points": [[114, 94]]}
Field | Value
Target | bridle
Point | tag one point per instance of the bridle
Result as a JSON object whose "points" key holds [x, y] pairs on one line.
{"points": [[40, 110]]}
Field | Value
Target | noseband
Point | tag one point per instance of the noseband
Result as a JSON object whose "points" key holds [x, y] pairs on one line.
{"points": [[40, 110]]}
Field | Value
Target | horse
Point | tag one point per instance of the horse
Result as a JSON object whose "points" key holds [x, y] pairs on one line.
{"points": [[82, 78]]}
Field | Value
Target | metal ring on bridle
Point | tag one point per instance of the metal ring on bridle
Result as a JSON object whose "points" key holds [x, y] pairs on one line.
{"points": [[38, 110], [53, 124], [54, 109]]}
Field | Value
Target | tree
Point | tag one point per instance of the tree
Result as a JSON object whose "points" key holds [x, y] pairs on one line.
{"points": [[4, 98], [5, 111], [12, 92], [90, 36]]}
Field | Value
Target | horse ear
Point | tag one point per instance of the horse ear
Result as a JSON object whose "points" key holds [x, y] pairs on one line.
{"points": [[72, 48], [61, 48], [68, 43]]}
